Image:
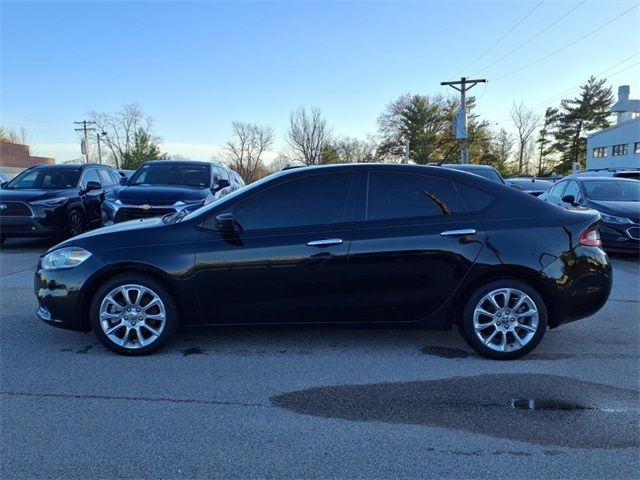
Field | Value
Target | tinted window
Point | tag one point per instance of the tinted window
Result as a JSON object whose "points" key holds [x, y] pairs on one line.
{"points": [[48, 178], [474, 199], [216, 174], [313, 200], [223, 173], [90, 175], [613, 191], [401, 195], [172, 174]]}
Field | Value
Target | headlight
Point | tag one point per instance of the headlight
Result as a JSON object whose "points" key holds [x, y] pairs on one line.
{"points": [[614, 219], [51, 202], [64, 258]]}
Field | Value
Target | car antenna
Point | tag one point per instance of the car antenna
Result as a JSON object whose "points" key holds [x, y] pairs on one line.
{"points": [[446, 156]]}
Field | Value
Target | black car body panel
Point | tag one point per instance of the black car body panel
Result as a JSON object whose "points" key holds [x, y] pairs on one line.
{"points": [[36, 212], [620, 219], [193, 184], [356, 270]]}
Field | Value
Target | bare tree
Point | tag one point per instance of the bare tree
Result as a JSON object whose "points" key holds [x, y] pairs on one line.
{"points": [[15, 135], [243, 153], [308, 136], [121, 129], [526, 122], [354, 150]]}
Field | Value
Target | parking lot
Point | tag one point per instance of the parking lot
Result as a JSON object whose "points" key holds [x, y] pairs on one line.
{"points": [[317, 402]]}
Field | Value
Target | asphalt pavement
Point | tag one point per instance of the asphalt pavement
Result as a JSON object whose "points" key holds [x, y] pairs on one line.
{"points": [[317, 402]]}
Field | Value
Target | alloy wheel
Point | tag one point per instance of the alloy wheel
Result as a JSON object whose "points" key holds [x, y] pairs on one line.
{"points": [[505, 319], [132, 316]]}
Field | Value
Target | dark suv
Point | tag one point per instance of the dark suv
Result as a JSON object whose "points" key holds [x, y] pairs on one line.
{"points": [[160, 187], [54, 200]]}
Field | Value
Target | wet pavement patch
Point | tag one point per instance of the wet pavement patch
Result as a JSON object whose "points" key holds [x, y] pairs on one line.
{"points": [[444, 352], [565, 411]]}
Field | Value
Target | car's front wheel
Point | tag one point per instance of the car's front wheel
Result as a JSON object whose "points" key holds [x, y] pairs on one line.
{"points": [[133, 314], [504, 319], [74, 223]]}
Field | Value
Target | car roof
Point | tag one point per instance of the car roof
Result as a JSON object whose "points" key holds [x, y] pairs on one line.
{"points": [[182, 162], [590, 178], [469, 166]]}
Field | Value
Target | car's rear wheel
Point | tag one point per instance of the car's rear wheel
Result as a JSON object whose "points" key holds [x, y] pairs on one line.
{"points": [[133, 314], [74, 223], [504, 319]]}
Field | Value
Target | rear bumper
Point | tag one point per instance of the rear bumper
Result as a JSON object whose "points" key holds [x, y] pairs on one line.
{"points": [[580, 282]]}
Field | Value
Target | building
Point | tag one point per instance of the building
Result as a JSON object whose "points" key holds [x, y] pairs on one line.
{"points": [[14, 158], [617, 146]]}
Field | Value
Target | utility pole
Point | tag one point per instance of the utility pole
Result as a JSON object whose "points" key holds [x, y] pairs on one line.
{"points": [[85, 131], [406, 150], [461, 127], [99, 151]]}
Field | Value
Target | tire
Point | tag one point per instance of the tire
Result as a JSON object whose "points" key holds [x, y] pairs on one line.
{"points": [[133, 314], [74, 223], [493, 329]]}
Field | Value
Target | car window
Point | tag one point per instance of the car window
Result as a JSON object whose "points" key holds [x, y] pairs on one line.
{"points": [[105, 178], [557, 189], [404, 195], [48, 178], [313, 200], [573, 189], [116, 176], [90, 175], [223, 173]]}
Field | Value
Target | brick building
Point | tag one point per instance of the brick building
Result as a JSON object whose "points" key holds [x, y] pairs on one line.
{"points": [[14, 158]]}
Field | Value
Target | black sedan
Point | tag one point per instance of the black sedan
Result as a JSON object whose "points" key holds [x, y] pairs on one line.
{"points": [[160, 187], [342, 244], [530, 185], [617, 200], [54, 200]]}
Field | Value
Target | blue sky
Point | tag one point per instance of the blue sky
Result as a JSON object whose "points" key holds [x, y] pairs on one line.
{"points": [[197, 66]]}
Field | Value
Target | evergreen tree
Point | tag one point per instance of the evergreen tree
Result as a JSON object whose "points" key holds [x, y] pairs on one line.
{"points": [[580, 116], [545, 144], [144, 148]]}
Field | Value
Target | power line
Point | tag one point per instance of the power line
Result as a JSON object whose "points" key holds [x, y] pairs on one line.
{"points": [[568, 45], [550, 100], [526, 42], [503, 36]]}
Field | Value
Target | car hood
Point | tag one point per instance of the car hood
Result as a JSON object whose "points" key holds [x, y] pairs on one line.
{"points": [[159, 194], [630, 210], [32, 195], [137, 225]]}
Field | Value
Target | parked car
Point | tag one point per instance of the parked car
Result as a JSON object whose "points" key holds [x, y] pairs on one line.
{"points": [[160, 187], [530, 185], [54, 200], [617, 200], [486, 171], [610, 172], [341, 244]]}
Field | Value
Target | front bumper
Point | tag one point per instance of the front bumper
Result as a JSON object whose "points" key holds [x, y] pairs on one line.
{"points": [[29, 227], [61, 295], [620, 237]]}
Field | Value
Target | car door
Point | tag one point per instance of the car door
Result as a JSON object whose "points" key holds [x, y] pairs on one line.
{"points": [[288, 264], [413, 245], [92, 201]]}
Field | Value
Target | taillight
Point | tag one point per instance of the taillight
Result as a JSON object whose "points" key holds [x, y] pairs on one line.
{"points": [[591, 238]]}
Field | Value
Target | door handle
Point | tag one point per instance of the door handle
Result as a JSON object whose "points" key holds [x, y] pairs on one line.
{"points": [[455, 233], [325, 243]]}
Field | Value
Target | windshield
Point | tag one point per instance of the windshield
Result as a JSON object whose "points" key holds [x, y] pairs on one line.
{"points": [[172, 174], [46, 178], [613, 191]]}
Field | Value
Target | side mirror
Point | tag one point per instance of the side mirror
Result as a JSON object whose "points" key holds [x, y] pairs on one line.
{"points": [[93, 186], [570, 199], [226, 223], [123, 181], [222, 183]]}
